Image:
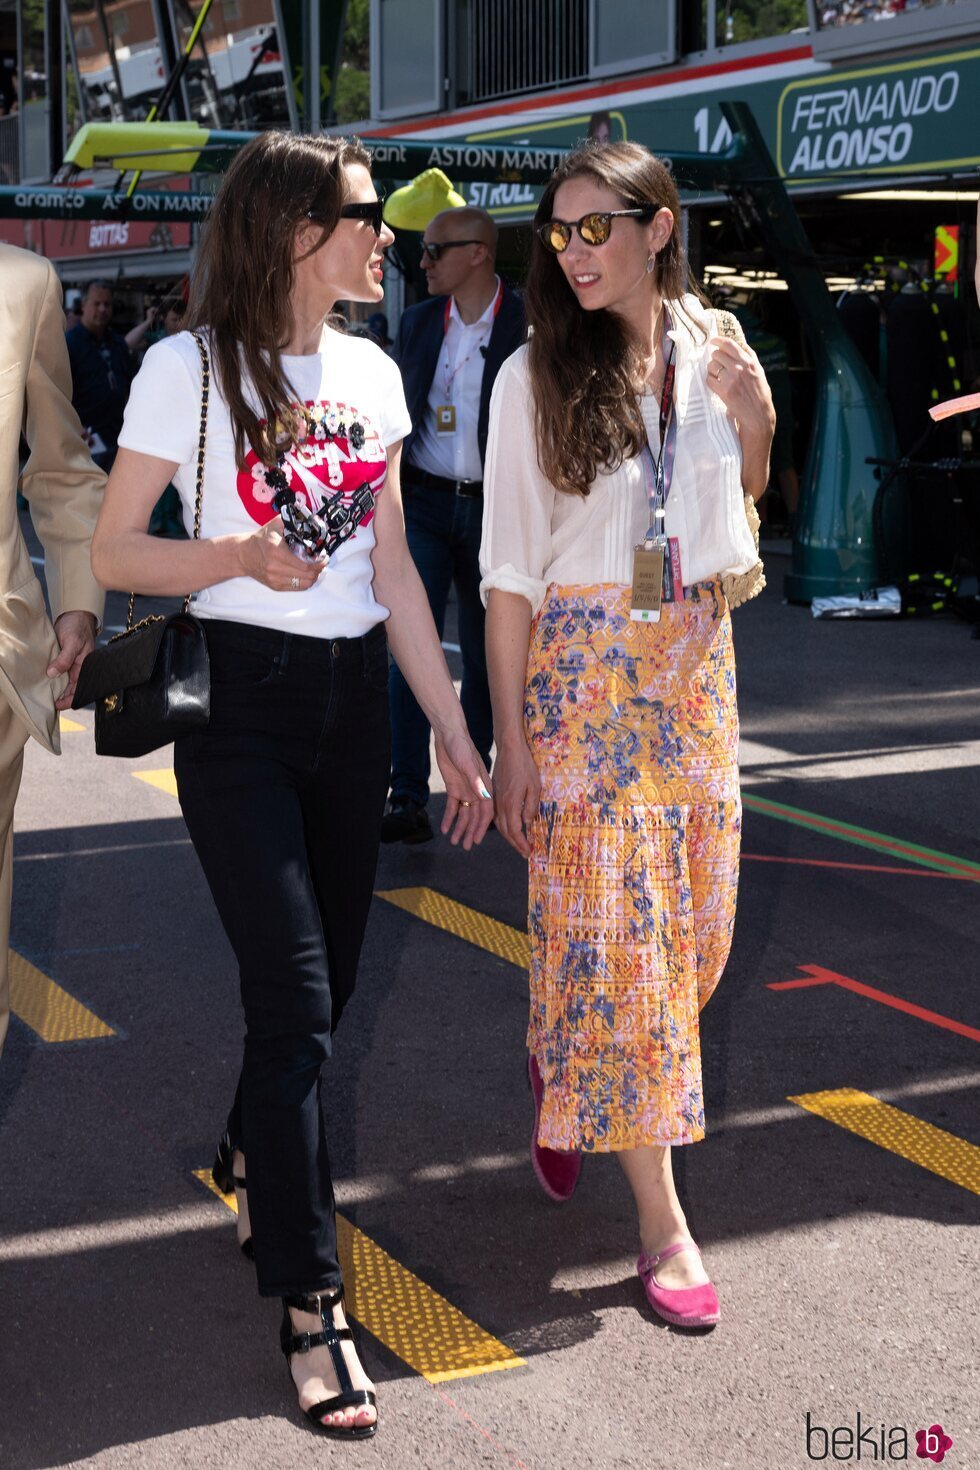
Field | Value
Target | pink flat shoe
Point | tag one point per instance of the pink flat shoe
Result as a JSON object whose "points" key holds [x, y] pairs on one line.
{"points": [[557, 1170], [681, 1306]]}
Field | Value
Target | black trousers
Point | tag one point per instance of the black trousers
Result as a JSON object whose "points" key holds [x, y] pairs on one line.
{"points": [[283, 795]]}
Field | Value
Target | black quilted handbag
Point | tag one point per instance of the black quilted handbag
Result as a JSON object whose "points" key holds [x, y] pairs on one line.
{"points": [[152, 682]]}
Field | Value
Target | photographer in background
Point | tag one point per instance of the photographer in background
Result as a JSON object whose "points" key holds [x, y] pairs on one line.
{"points": [[167, 518], [169, 319], [140, 336]]}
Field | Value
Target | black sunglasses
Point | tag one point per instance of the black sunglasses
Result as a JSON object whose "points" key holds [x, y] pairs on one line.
{"points": [[434, 250], [594, 229], [372, 211]]}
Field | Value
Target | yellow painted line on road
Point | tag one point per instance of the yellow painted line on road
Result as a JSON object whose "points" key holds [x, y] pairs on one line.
{"points": [[910, 1138], [466, 923], [70, 727], [46, 1008], [204, 1177], [413, 1321], [417, 1323], [162, 780]]}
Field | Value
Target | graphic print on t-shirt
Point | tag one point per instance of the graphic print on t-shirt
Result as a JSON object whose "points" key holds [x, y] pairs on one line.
{"points": [[342, 452]]}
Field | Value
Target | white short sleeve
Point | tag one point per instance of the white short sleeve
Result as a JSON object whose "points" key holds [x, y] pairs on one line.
{"points": [[518, 500], [163, 414], [396, 423]]}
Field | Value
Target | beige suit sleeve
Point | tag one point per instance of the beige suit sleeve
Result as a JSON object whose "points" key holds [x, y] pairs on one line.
{"points": [[63, 486]]}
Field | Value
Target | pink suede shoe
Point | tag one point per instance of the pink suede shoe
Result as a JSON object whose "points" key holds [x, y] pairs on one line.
{"points": [[682, 1306], [557, 1170]]}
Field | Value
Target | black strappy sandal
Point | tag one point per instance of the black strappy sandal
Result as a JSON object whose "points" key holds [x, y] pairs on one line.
{"points": [[224, 1176], [331, 1337]]}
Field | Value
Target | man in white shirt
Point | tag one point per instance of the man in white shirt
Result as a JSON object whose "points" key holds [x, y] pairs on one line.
{"points": [[449, 350]]}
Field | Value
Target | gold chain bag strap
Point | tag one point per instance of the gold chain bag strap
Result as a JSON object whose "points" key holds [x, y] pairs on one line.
{"points": [[152, 683], [740, 587]]}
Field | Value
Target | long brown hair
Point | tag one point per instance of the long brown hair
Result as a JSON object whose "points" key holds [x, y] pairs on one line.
{"points": [[244, 274], [585, 365]]}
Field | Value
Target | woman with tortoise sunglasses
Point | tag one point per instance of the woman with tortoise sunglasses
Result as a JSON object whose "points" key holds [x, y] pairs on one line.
{"points": [[622, 440]]}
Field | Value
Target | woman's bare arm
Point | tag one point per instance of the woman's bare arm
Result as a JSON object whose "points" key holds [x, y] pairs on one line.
{"points": [[516, 782], [126, 557]]}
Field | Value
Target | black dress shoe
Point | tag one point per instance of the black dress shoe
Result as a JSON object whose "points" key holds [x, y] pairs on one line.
{"points": [[406, 821]]}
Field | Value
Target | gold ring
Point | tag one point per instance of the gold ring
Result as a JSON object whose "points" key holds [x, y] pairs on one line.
{"points": [[466, 803]]}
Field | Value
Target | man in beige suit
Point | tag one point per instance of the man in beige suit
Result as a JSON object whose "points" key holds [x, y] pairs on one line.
{"points": [[39, 663]]}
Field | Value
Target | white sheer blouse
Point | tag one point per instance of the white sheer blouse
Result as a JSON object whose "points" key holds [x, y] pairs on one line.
{"points": [[535, 535]]}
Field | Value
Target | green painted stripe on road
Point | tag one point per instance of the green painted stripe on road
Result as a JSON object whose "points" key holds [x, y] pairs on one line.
{"points": [[926, 857]]}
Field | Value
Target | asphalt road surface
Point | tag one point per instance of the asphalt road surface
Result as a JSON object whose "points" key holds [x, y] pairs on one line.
{"points": [[835, 1197]]}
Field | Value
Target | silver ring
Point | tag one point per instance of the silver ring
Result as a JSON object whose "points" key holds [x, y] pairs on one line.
{"points": [[294, 581]]}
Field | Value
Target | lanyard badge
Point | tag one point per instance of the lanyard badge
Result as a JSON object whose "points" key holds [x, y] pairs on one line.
{"points": [[446, 412], [657, 573]]}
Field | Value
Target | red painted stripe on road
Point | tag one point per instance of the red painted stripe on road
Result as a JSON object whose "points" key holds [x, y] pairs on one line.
{"points": [[795, 984], [817, 975], [755, 857], [468, 1418], [591, 93], [927, 857]]}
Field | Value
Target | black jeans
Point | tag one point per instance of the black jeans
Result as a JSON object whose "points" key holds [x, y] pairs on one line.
{"points": [[443, 532], [283, 794]]}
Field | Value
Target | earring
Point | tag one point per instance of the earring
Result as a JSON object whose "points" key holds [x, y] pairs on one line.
{"points": [[651, 262]]}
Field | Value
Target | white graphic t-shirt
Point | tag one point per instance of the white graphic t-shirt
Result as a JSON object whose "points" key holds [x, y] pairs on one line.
{"points": [[354, 401]]}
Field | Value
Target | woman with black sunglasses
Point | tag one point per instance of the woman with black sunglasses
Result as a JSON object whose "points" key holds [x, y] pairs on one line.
{"points": [[283, 792], [623, 439]]}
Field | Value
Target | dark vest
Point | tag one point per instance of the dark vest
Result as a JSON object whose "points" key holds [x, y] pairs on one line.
{"points": [[417, 348]]}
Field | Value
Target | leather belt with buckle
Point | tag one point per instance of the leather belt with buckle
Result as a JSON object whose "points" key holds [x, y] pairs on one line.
{"points": [[467, 489]]}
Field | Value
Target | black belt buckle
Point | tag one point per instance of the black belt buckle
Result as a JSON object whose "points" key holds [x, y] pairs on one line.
{"points": [[469, 489]]}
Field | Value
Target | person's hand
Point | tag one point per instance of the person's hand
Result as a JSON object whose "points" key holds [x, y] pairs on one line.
{"points": [[75, 632], [469, 803], [517, 791], [265, 556], [735, 374]]}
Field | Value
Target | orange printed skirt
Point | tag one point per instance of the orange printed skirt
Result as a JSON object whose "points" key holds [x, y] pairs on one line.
{"points": [[634, 859]]}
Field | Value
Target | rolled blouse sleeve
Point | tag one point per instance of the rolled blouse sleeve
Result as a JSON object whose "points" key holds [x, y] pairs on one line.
{"points": [[518, 500]]}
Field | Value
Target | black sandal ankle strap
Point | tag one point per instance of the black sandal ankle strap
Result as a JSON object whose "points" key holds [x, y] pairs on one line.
{"points": [[303, 1342], [330, 1336], [318, 1302]]}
